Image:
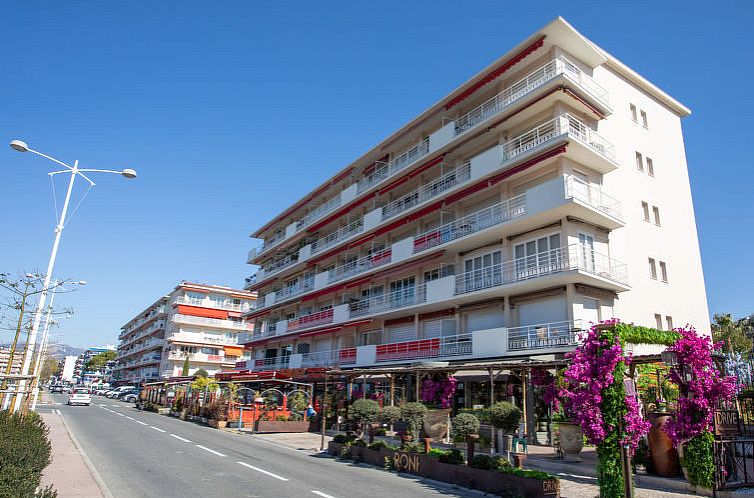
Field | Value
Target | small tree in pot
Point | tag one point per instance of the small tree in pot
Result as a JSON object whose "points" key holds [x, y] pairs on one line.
{"points": [[366, 412], [413, 414], [390, 415], [466, 426], [505, 416]]}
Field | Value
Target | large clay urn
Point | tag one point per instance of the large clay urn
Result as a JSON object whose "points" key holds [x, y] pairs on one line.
{"points": [[664, 456], [571, 439]]}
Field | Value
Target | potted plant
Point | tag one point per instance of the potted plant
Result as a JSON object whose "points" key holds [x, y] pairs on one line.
{"points": [[365, 412], [413, 414], [466, 426], [389, 415], [437, 394], [505, 416]]}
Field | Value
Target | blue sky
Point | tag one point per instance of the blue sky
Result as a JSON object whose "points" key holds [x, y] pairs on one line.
{"points": [[230, 111]]}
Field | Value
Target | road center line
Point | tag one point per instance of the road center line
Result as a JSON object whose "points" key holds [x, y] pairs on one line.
{"points": [[156, 428], [210, 450], [119, 414], [323, 495], [180, 438], [129, 418], [140, 422], [281, 478]]}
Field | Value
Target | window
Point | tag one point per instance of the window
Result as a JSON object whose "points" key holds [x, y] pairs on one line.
{"points": [[535, 253], [656, 212], [652, 269], [633, 112], [663, 271], [639, 162], [669, 319], [644, 122], [645, 208], [431, 275], [650, 167], [195, 297], [658, 321]]}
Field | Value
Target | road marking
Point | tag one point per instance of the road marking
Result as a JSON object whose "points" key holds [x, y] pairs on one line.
{"points": [[58, 412], [140, 422], [323, 495], [181, 438], [119, 414], [281, 478], [156, 428], [129, 418], [210, 450], [116, 406]]}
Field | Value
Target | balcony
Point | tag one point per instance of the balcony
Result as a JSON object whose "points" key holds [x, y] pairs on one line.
{"points": [[311, 320], [293, 291], [526, 85], [280, 264], [318, 212], [565, 259], [554, 335], [203, 357], [267, 245], [361, 265], [593, 196], [394, 300], [472, 223], [446, 182], [209, 303], [399, 163], [276, 363], [333, 238], [211, 322], [438, 347], [335, 357]]}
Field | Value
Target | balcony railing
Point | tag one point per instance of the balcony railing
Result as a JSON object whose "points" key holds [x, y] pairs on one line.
{"points": [[425, 192], [360, 265], [593, 195], [311, 320], [211, 322], [276, 363], [293, 290], [438, 347], [280, 264], [208, 303], [544, 335], [335, 357], [526, 85], [573, 257], [318, 212], [341, 234], [268, 243], [471, 223], [388, 169], [394, 300]]}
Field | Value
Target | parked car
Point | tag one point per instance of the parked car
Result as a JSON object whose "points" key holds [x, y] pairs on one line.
{"points": [[80, 396], [122, 395], [66, 389], [130, 397], [118, 390], [57, 388]]}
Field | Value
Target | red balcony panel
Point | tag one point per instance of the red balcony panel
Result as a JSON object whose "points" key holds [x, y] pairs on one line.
{"points": [[203, 312]]}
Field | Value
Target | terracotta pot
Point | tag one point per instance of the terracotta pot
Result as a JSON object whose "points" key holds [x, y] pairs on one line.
{"points": [[222, 424], [664, 456], [571, 438]]}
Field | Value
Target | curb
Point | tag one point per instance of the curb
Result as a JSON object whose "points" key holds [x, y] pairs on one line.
{"points": [[97, 477]]}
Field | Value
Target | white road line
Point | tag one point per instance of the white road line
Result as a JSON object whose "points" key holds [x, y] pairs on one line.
{"points": [[181, 438], [129, 418], [210, 450], [281, 478], [58, 412], [119, 414], [116, 406], [323, 495], [156, 428], [140, 422]]}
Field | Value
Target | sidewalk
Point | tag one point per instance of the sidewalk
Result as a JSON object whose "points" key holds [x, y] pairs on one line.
{"points": [[68, 472]]}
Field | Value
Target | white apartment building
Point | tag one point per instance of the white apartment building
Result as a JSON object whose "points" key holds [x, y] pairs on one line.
{"points": [[547, 192], [198, 321]]}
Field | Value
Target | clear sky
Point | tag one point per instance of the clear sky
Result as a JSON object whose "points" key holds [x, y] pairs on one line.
{"points": [[230, 111]]}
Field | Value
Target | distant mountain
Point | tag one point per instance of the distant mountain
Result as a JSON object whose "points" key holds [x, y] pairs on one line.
{"points": [[57, 351]]}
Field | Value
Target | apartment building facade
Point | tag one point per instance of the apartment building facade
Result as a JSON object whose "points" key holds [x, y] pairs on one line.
{"points": [[203, 323], [547, 192], [84, 375]]}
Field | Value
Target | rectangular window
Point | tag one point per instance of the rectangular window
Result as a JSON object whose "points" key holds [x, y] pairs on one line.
{"points": [[652, 269], [645, 208], [650, 167], [633, 112], [658, 321], [656, 212], [639, 162], [644, 122], [663, 271], [669, 319]]}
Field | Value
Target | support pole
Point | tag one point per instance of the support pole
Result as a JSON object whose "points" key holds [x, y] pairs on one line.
{"points": [[324, 418], [392, 389], [525, 387]]}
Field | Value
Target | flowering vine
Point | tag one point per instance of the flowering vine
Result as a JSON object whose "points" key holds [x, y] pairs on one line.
{"points": [[439, 391], [541, 377]]}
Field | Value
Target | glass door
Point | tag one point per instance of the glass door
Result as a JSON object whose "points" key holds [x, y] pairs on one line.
{"points": [[586, 251]]}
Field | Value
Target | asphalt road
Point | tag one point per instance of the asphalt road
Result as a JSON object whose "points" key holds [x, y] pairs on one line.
{"points": [[150, 455]]}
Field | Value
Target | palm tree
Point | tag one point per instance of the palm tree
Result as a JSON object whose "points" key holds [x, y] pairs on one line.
{"points": [[736, 335]]}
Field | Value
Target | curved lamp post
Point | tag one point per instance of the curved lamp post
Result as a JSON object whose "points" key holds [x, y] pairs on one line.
{"points": [[75, 172]]}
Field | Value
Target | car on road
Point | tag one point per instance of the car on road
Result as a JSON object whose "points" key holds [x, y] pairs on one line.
{"points": [[118, 390], [66, 389], [80, 396], [57, 388], [130, 397]]}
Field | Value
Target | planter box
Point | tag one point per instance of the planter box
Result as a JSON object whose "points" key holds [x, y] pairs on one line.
{"points": [[280, 426], [488, 481]]}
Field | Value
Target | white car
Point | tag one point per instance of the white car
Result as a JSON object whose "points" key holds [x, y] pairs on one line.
{"points": [[80, 396]]}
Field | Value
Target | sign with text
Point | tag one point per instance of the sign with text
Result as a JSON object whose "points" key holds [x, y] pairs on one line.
{"points": [[726, 423]]}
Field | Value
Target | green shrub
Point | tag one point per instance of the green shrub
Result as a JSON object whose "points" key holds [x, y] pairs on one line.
{"points": [[281, 418], [24, 453], [700, 463], [436, 452], [390, 414], [359, 442], [505, 416], [532, 474], [453, 457], [377, 445], [380, 432], [413, 448], [364, 411], [413, 414], [464, 425], [487, 462], [343, 438]]}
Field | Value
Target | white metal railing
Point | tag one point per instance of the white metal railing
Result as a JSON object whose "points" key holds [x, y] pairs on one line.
{"points": [[275, 363], [471, 223], [592, 195], [436, 187], [573, 257], [208, 303], [360, 265], [397, 299], [268, 243], [280, 264], [398, 163], [544, 335], [437, 347], [346, 356], [526, 85], [211, 322], [342, 233], [589, 137], [294, 290], [318, 212], [317, 318]]}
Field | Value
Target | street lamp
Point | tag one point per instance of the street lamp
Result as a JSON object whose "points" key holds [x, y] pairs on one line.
{"points": [[75, 172]]}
